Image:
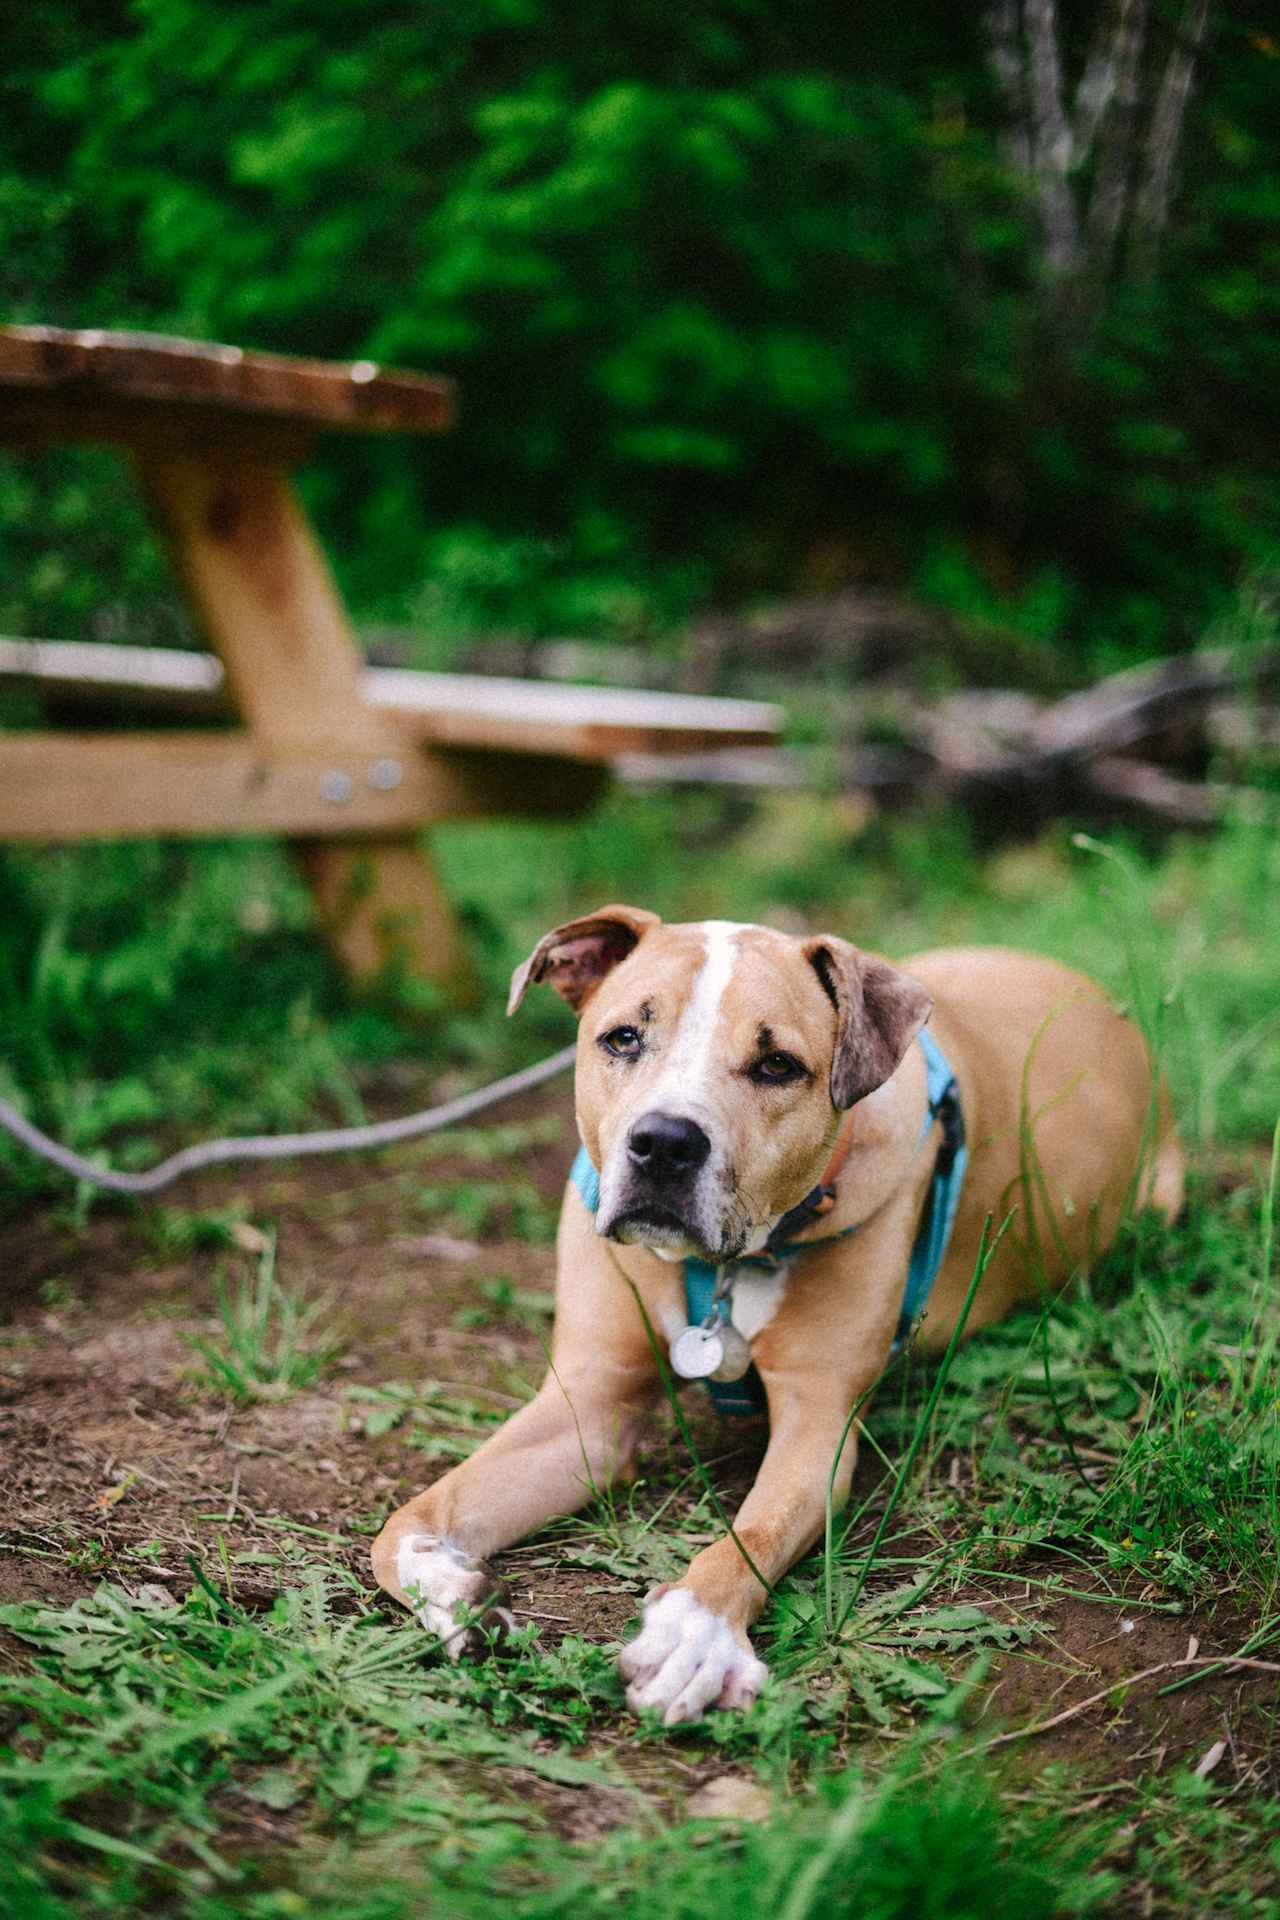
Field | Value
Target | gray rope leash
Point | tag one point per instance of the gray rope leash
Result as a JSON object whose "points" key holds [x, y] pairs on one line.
{"points": [[284, 1146]]}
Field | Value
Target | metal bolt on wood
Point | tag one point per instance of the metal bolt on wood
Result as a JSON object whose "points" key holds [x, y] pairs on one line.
{"points": [[385, 775]]}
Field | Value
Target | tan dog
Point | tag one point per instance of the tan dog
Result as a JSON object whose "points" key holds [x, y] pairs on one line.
{"points": [[716, 1063]]}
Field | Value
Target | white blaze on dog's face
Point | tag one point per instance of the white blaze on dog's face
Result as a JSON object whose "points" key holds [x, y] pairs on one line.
{"points": [[714, 1060]]}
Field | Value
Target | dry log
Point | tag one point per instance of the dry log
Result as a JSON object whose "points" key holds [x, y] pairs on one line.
{"points": [[1015, 762], [1128, 708], [1132, 785], [751, 767], [1243, 730]]}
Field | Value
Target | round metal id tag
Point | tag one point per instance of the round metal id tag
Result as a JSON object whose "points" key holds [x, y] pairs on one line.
{"points": [[735, 1357], [697, 1352]]}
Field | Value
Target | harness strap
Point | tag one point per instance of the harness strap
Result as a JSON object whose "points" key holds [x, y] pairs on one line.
{"points": [[586, 1180], [937, 1218], [933, 1235]]}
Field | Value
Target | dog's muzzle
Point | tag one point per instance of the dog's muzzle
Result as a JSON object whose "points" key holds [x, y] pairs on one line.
{"points": [[661, 1199]]}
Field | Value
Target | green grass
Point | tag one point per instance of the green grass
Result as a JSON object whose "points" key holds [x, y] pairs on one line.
{"points": [[146, 1730], [1163, 1368], [150, 995], [473, 1208], [212, 1759], [440, 1422], [269, 1340]]}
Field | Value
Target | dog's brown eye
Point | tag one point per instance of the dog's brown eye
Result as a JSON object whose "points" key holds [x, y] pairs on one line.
{"points": [[623, 1042], [776, 1069]]}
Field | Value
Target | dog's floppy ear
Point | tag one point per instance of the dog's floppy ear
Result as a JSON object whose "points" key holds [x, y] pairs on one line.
{"points": [[575, 958], [879, 1012]]}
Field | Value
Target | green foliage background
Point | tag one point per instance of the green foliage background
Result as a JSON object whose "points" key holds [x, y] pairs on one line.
{"points": [[741, 294]]}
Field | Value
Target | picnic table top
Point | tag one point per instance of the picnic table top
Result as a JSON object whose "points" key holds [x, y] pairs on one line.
{"points": [[55, 377]]}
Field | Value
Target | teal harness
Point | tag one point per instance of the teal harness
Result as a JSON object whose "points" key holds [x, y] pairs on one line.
{"points": [[927, 1253]]}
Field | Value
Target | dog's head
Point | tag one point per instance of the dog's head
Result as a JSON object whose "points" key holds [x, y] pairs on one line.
{"points": [[714, 1061]]}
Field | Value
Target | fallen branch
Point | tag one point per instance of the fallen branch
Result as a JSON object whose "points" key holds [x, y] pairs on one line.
{"points": [[1128, 707], [1021, 762], [1177, 803]]}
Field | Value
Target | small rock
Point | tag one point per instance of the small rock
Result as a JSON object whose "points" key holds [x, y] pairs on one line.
{"points": [[730, 1797], [248, 1238], [437, 1246], [152, 1594]]}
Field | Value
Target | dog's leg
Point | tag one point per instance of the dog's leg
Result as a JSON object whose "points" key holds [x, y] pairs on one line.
{"points": [[574, 1437], [569, 1442], [816, 1359], [692, 1651]]}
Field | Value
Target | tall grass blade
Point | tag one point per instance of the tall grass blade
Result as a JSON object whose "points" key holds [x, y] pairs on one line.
{"points": [[986, 1252]]}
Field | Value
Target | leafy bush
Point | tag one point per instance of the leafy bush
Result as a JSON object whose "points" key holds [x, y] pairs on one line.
{"points": [[736, 303]]}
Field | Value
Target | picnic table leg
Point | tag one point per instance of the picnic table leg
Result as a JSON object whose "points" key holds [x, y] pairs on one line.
{"points": [[261, 589], [384, 910]]}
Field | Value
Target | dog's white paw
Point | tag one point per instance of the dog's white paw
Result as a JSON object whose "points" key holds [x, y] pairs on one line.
{"points": [[686, 1658], [446, 1589]]}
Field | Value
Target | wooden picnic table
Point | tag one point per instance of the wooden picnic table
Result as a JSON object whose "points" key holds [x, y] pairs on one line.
{"points": [[348, 763]]}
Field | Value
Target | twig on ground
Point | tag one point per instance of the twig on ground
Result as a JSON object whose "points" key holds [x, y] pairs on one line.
{"points": [[1125, 1681]]}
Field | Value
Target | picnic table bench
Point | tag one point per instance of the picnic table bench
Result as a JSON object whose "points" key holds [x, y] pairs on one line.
{"points": [[348, 763]]}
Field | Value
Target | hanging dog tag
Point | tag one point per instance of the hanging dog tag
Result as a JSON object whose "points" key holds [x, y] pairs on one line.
{"points": [[735, 1359], [697, 1352]]}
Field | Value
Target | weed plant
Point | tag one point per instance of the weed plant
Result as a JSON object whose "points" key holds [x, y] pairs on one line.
{"points": [[270, 1341]]}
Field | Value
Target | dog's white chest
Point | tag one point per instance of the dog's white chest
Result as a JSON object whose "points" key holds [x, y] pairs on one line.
{"points": [[757, 1295]]}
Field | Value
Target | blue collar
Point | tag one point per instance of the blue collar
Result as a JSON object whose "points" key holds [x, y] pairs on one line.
{"points": [[932, 1236]]}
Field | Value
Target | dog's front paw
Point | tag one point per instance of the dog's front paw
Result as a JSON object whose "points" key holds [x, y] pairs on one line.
{"points": [[452, 1594], [686, 1658]]}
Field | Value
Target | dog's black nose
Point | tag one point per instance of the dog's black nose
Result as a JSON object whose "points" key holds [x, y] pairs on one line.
{"points": [[664, 1145]]}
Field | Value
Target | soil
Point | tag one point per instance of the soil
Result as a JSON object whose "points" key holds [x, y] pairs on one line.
{"points": [[109, 1444]]}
